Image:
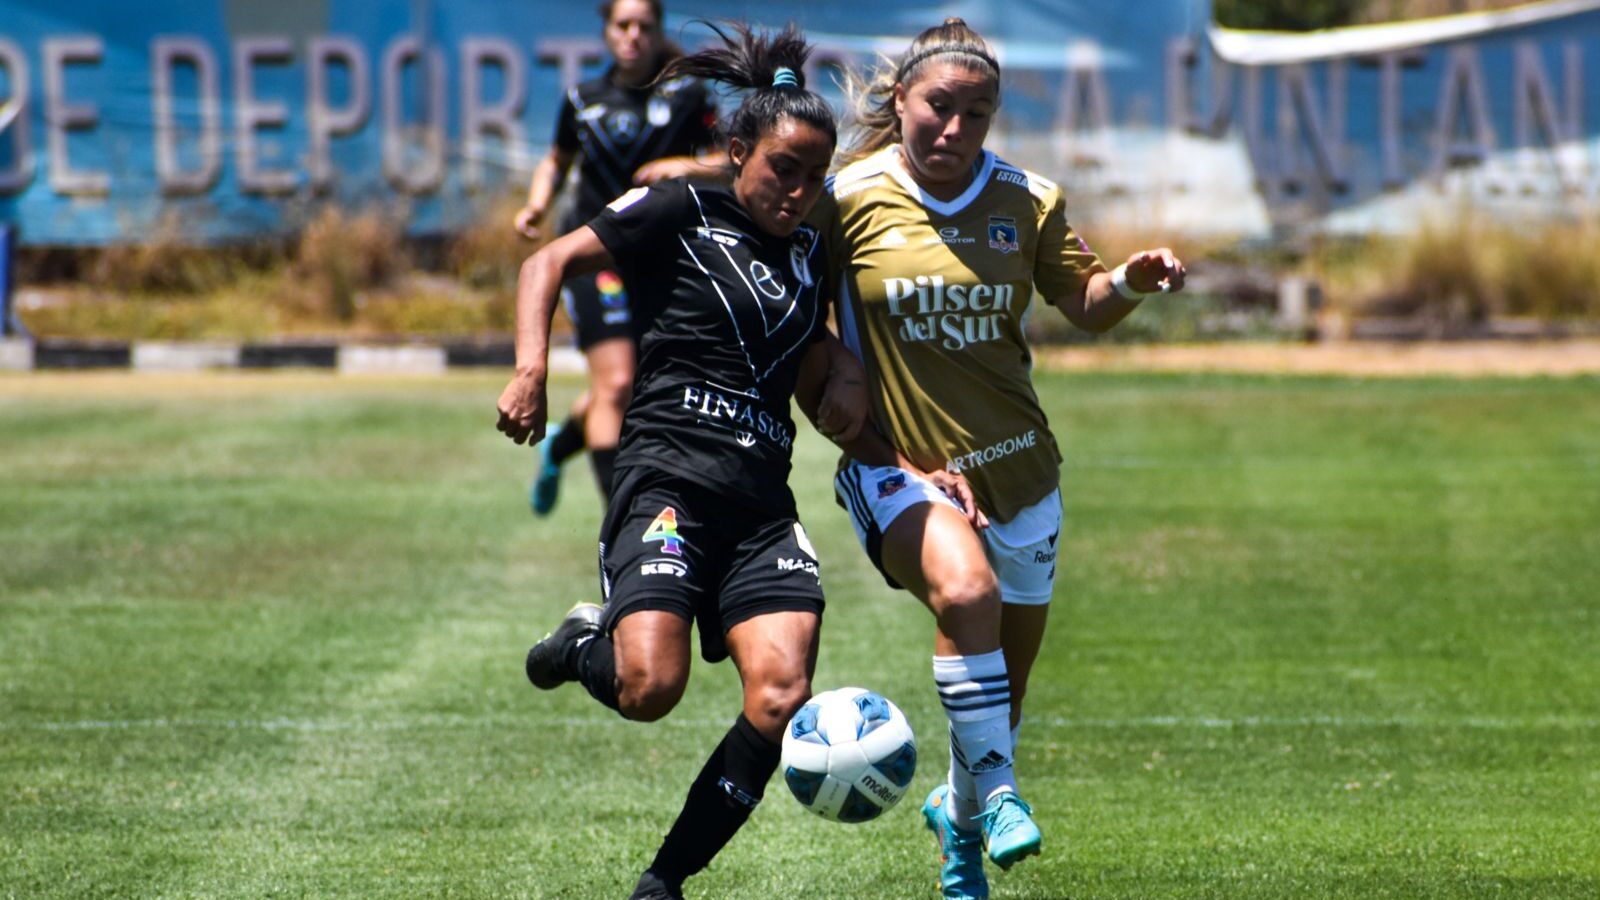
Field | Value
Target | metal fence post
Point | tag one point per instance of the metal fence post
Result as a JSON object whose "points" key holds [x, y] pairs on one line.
{"points": [[8, 241]]}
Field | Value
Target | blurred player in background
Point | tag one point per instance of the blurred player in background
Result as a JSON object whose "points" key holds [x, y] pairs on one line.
{"points": [[941, 245], [624, 128]]}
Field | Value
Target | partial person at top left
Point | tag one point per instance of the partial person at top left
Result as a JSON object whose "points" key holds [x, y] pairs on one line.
{"points": [[622, 129]]}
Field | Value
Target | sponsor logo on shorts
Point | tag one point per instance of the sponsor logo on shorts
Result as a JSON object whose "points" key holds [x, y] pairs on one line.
{"points": [[612, 295], [664, 567], [1039, 556], [665, 529], [798, 565], [996, 451], [892, 485]]}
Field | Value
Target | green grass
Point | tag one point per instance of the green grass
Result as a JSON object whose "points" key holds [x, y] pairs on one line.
{"points": [[262, 636]]}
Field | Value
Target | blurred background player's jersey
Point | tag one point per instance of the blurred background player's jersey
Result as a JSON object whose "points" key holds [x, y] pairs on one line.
{"points": [[618, 129], [932, 298]]}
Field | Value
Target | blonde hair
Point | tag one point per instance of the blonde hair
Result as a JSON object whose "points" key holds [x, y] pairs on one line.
{"points": [[952, 41]]}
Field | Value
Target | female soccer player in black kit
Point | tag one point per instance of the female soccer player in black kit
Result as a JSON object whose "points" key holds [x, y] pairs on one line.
{"points": [[728, 289], [625, 128]]}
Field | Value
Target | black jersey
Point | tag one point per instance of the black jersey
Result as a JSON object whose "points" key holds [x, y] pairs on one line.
{"points": [[618, 129], [723, 313]]}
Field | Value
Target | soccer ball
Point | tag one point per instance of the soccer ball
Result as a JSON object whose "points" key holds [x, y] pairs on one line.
{"points": [[848, 755]]}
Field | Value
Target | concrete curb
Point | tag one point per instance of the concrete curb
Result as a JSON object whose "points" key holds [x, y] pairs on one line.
{"points": [[172, 356], [16, 355], [24, 355]]}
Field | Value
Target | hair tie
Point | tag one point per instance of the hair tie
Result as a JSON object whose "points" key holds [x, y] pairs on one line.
{"points": [[784, 77]]}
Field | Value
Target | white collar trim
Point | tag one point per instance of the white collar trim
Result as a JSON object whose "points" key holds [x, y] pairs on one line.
{"points": [[934, 204]]}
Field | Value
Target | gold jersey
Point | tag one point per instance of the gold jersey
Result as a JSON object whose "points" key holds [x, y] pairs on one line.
{"points": [[931, 298]]}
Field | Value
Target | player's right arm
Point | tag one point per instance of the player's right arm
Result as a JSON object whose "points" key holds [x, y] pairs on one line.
{"points": [[552, 169], [548, 177], [523, 403]]}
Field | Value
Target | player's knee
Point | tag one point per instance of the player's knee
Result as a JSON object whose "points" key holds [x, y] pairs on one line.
{"points": [[648, 696], [776, 699], [612, 388], [969, 598]]}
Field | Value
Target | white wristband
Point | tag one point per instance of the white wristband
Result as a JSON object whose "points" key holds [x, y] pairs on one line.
{"points": [[1119, 283]]}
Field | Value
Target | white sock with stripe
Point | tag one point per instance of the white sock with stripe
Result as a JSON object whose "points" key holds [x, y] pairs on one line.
{"points": [[976, 694]]}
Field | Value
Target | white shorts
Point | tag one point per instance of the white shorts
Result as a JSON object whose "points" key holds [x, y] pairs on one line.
{"points": [[1022, 552]]}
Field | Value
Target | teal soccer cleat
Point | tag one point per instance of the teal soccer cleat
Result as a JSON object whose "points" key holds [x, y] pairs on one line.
{"points": [[960, 852], [546, 484], [1008, 830]]}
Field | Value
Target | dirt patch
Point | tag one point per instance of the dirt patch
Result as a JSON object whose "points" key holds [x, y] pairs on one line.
{"points": [[1462, 360]]}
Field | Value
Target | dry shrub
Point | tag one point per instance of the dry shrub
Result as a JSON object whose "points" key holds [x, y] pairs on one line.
{"points": [[489, 253], [339, 257], [164, 261], [1554, 274], [428, 309], [1465, 271]]}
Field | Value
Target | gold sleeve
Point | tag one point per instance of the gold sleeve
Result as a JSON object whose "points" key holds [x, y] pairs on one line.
{"points": [[1064, 261]]}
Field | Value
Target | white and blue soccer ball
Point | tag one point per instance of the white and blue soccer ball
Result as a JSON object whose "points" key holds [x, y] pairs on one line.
{"points": [[848, 755]]}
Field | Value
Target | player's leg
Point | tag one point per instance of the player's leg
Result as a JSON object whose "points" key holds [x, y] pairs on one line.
{"points": [[771, 615], [1021, 636], [920, 540], [934, 552], [633, 656], [1023, 554], [563, 442], [578, 296], [605, 335], [610, 389]]}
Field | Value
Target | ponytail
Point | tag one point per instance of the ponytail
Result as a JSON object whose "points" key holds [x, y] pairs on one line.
{"points": [[771, 67]]}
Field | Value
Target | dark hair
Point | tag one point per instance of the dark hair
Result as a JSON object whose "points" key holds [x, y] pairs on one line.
{"points": [[952, 41], [752, 61], [667, 49], [607, 6]]}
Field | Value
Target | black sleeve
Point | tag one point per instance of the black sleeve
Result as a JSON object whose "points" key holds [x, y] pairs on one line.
{"points": [[643, 223], [566, 137]]}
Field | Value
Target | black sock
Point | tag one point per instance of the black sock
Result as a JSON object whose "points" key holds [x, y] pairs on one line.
{"points": [[595, 662], [568, 442], [720, 800], [604, 463]]}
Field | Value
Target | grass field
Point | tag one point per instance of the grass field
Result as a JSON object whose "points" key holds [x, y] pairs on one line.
{"points": [[262, 636]]}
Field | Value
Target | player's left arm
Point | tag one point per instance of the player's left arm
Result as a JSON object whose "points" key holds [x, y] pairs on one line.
{"points": [[1108, 297], [832, 392], [1074, 280]]}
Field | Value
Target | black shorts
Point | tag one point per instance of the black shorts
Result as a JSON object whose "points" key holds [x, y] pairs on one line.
{"points": [[669, 544], [598, 307]]}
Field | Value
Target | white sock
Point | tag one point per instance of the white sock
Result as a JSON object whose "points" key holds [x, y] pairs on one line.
{"points": [[1016, 738], [963, 806], [976, 694]]}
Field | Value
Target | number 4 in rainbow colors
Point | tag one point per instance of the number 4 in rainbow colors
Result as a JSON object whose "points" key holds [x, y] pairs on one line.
{"points": [[665, 529]]}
